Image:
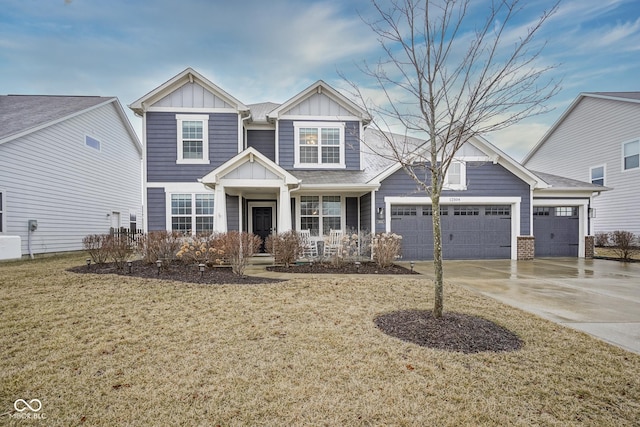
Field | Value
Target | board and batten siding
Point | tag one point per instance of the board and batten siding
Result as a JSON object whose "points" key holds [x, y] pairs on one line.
{"points": [[484, 179], [162, 147], [264, 141], [592, 135], [286, 144], [51, 176]]}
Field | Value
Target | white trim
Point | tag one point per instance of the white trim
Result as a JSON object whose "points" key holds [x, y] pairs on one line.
{"points": [[169, 214], [604, 173], [343, 210], [321, 118], [98, 149], [583, 216], [463, 177], [515, 203], [204, 118], [3, 204], [319, 125], [190, 110], [636, 140], [262, 204], [277, 143], [145, 184]]}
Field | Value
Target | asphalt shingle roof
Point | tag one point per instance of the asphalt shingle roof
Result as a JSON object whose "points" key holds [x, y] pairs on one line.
{"points": [[19, 113]]}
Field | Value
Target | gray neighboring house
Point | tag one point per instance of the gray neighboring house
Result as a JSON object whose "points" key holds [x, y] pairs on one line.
{"points": [[597, 139], [212, 163], [69, 166]]}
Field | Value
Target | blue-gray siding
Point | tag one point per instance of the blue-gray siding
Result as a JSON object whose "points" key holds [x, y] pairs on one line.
{"points": [[365, 212], [232, 213], [264, 141], [286, 144], [162, 147], [156, 209], [484, 179], [351, 209]]}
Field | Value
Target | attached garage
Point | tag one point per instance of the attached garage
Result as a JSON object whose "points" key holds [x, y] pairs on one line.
{"points": [[556, 230], [468, 231]]}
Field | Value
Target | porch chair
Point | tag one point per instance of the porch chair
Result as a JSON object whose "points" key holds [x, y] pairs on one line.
{"points": [[309, 247], [333, 243]]}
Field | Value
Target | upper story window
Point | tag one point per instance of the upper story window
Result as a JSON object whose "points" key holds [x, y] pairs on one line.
{"points": [[193, 138], [319, 144], [91, 142], [631, 155], [597, 175], [456, 177]]}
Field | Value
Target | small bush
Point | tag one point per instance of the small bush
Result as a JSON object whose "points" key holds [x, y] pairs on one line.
{"points": [[386, 248], [119, 249], [155, 245], [238, 248], [356, 245], [624, 244], [285, 247], [94, 245], [202, 249], [602, 239]]}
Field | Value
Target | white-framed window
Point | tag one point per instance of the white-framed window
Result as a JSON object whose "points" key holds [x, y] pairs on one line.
{"points": [[319, 144], [192, 213], [456, 177], [92, 142], [320, 213], [2, 211], [596, 174], [631, 155], [193, 138]]}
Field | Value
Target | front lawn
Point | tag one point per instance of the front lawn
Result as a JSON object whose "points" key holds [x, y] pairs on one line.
{"points": [[117, 350]]}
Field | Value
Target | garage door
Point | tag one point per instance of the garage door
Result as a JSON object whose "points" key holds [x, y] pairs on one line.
{"points": [[468, 232], [556, 230]]}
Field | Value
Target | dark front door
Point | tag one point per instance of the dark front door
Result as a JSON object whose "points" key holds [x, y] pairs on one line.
{"points": [[262, 220]]}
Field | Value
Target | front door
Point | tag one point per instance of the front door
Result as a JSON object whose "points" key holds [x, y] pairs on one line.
{"points": [[262, 223]]}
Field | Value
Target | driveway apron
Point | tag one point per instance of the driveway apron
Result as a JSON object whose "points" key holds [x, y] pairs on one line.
{"points": [[599, 297]]}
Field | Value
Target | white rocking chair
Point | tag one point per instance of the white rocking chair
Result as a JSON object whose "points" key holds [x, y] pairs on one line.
{"points": [[333, 243], [309, 247]]}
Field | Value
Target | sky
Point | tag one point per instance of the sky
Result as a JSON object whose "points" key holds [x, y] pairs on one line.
{"points": [[261, 51]]}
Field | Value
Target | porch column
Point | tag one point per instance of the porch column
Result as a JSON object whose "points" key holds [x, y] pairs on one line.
{"points": [[220, 210], [284, 210]]}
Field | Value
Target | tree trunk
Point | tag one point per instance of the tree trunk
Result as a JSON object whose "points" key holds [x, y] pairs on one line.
{"points": [[437, 254]]}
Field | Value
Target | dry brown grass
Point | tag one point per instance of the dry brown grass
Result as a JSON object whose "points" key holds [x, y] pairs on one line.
{"points": [[611, 253], [113, 350]]}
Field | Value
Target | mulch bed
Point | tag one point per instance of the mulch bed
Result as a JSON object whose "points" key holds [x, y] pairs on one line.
{"points": [[346, 268], [452, 332], [178, 272]]}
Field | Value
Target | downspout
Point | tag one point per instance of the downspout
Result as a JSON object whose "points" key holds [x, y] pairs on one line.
{"points": [[29, 243], [244, 131]]}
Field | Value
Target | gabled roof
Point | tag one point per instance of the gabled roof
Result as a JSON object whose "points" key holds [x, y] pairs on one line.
{"points": [[21, 115], [250, 154], [321, 87], [631, 97], [493, 153], [561, 183], [259, 111], [187, 76]]}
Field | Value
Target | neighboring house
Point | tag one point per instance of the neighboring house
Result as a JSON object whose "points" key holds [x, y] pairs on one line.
{"points": [[598, 140], [69, 166], [212, 163]]}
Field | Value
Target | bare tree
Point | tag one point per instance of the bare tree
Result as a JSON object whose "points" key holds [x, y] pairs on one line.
{"points": [[447, 78]]}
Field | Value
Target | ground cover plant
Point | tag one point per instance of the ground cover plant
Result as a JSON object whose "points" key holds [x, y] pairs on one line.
{"points": [[118, 350]]}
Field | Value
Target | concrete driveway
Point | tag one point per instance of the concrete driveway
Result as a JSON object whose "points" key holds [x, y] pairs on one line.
{"points": [[599, 297]]}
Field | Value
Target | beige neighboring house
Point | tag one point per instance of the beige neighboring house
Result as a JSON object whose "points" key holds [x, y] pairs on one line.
{"points": [[598, 140]]}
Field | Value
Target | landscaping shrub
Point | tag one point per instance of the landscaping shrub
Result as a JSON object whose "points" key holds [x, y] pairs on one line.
{"points": [[624, 244], [238, 248], [602, 239], [94, 245], [118, 248], [202, 249], [155, 245], [386, 248], [356, 245], [285, 247]]}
